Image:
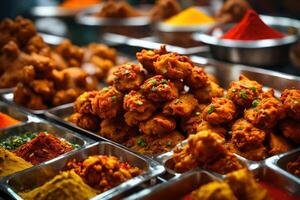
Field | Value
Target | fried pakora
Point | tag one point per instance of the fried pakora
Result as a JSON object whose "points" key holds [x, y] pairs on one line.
{"points": [[83, 103], [113, 9], [291, 102], [291, 129], [278, 144], [183, 106], [205, 94], [198, 78], [164, 9], [86, 121]]}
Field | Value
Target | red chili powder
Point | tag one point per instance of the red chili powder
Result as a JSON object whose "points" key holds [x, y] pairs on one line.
{"points": [[6, 121], [42, 148], [252, 28]]}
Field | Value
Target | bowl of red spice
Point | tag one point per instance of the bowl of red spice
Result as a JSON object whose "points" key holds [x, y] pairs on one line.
{"points": [[258, 40]]}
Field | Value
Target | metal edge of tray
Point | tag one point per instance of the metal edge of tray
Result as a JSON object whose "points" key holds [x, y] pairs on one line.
{"points": [[145, 43], [154, 168], [6, 90], [274, 162]]}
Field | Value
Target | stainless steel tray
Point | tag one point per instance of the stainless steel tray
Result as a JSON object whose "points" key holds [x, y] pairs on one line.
{"points": [[36, 176], [149, 43], [6, 90], [14, 113]]}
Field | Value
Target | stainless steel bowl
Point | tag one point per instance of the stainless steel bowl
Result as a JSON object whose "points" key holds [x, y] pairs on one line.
{"points": [[131, 26], [268, 52]]}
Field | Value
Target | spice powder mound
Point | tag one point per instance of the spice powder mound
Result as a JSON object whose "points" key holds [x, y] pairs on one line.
{"points": [[42, 148]]}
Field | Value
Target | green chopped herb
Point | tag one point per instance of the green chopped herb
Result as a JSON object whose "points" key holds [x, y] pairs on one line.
{"points": [[154, 82], [177, 101], [126, 72], [197, 113], [105, 89], [255, 110], [139, 103], [164, 81], [253, 89], [169, 143], [240, 128], [141, 142], [113, 98], [211, 109], [75, 146], [233, 90], [13, 142], [153, 89], [243, 94], [255, 102], [163, 70]]}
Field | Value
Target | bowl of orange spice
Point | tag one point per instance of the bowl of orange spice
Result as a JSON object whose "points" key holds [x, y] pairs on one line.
{"points": [[257, 40]]}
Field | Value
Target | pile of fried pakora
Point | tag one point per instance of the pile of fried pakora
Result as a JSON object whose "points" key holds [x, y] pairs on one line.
{"points": [[152, 106], [43, 76]]}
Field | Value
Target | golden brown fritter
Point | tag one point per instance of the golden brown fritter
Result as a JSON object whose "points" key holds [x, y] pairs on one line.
{"points": [[206, 126], [183, 159], [213, 191], [107, 104], [149, 145], [291, 102], [28, 74], [266, 113], [164, 9], [278, 144], [190, 124], [128, 77], [113, 9], [183, 106], [255, 154], [294, 167], [44, 88], [85, 121], [158, 125], [100, 50], [117, 130], [244, 91], [205, 94], [198, 78], [220, 110], [65, 96], [83, 103], [244, 185], [138, 108], [159, 89], [148, 57], [173, 66], [291, 129]]}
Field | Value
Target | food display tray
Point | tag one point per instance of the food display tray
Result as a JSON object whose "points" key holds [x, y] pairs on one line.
{"points": [[180, 186], [36, 176]]}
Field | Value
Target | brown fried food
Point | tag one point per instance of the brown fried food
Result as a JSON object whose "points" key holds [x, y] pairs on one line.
{"points": [[101, 51], [28, 74], [159, 89], [255, 154], [183, 159], [213, 191], [244, 185], [204, 125], [278, 144], [190, 124], [44, 88], [72, 54], [113, 9], [164, 9], [173, 66], [183, 106], [65, 96], [198, 78], [83, 103], [220, 110], [85, 121], [117, 130], [291, 102], [291, 129], [107, 104], [149, 145], [148, 57], [244, 91], [37, 45], [294, 167], [205, 94], [158, 125], [128, 77], [266, 113]]}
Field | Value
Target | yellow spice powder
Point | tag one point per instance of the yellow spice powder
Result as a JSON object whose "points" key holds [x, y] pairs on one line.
{"points": [[190, 16]]}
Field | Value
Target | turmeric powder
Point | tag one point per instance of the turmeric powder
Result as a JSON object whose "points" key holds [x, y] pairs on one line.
{"points": [[77, 4], [190, 16]]}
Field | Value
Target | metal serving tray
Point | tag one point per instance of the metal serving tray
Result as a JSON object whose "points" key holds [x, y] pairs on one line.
{"points": [[38, 175], [6, 90], [14, 113]]}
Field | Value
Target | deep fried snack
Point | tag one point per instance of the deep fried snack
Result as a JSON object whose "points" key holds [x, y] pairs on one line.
{"points": [[173, 66], [103, 172], [205, 94], [244, 185], [158, 125], [278, 144], [138, 108], [244, 91], [146, 144], [159, 89], [183, 106], [213, 190], [291, 130], [113, 9], [44, 88], [256, 154], [220, 110], [65, 96], [266, 113], [183, 159], [148, 57], [107, 103], [83, 103], [85, 121], [100, 50], [164, 9], [294, 167], [204, 125], [117, 130], [197, 79], [291, 102], [128, 77], [190, 124]]}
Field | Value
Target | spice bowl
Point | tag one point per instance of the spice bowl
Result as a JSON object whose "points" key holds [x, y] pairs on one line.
{"points": [[267, 52], [132, 26]]}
